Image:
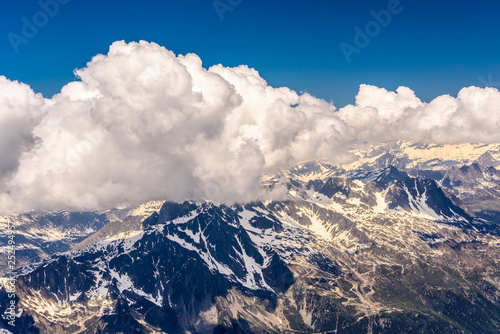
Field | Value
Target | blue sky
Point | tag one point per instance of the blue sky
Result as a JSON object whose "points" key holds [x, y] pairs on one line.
{"points": [[433, 47]]}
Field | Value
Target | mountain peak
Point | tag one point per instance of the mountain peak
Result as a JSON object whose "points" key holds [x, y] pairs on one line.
{"points": [[382, 175]]}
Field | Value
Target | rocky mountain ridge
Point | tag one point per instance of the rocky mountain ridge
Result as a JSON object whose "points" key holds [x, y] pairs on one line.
{"points": [[367, 250]]}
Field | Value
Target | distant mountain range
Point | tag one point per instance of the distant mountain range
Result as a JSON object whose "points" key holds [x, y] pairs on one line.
{"points": [[468, 171], [406, 239]]}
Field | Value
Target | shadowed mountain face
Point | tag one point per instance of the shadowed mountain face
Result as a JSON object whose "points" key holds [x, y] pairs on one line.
{"points": [[348, 252]]}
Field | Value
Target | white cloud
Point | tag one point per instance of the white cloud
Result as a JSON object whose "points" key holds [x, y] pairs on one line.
{"points": [[20, 111], [379, 115], [143, 123]]}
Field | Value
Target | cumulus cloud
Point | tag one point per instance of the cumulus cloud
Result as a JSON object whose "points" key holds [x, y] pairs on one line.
{"points": [[379, 116], [143, 123], [20, 112]]}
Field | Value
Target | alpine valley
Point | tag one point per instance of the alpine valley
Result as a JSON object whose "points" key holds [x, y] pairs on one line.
{"points": [[405, 239]]}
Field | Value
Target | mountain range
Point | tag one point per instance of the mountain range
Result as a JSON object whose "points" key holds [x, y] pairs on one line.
{"points": [[405, 239]]}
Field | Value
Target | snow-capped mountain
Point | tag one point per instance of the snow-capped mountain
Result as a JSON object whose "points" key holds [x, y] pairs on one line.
{"points": [[467, 171], [40, 235], [370, 250], [409, 155]]}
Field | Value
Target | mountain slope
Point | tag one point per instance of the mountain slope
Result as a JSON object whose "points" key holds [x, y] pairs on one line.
{"points": [[373, 252], [468, 171], [405, 240], [39, 235]]}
